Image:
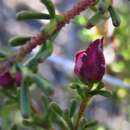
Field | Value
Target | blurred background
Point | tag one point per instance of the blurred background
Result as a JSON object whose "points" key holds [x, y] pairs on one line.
{"points": [[111, 113]]}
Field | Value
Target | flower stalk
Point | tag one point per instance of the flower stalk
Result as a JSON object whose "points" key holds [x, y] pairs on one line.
{"points": [[83, 105]]}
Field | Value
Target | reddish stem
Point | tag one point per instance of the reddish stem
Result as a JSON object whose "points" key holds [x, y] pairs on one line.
{"points": [[82, 108]]}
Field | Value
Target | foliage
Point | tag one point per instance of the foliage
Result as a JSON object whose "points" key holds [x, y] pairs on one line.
{"points": [[18, 91]]}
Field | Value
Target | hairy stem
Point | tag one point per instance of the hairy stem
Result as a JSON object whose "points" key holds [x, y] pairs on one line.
{"points": [[82, 108]]}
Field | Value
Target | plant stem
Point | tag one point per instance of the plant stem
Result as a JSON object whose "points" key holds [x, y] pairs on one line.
{"points": [[82, 108]]}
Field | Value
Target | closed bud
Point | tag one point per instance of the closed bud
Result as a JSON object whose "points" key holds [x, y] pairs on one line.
{"points": [[90, 63], [6, 79]]}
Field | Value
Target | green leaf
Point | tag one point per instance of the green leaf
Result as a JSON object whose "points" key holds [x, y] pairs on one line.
{"points": [[24, 99], [59, 18], [79, 87], [91, 124], [62, 118], [93, 8], [105, 93], [58, 115], [101, 92], [68, 119], [32, 64], [83, 122], [63, 122], [50, 6], [42, 83], [80, 92], [29, 15], [28, 123], [18, 41], [81, 20], [45, 102], [94, 20], [14, 127], [100, 86], [45, 51], [72, 107], [50, 29], [114, 16], [3, 56], [56, 108]]}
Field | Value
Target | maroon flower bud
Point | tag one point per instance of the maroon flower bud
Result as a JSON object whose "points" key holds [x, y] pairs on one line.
{"points": [[90, 63], [6, 79]]}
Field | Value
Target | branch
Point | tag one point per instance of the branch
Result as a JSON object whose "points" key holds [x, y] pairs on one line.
{"points": [[82, 108], [40, 38]]}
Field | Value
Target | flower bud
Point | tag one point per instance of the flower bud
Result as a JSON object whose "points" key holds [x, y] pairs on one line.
{"points": [[6, 79], [90, 63]]}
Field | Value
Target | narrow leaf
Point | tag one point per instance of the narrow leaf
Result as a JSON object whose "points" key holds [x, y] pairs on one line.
{"points": [[32, 64], [50, 6], [29, 123], [50, 29], [93, 8], [42, 83], [101, 92], [30, 15], [63, 122], [80, 91], [94, 20], [45, 51], [3, 56], [100, 86], [104, 93], [114, 16], [91, 124], [24, 100], [56, 108], [18, 41], [45, 102], [68, 119], [83, 122], [58, 115], [72, 107]]}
